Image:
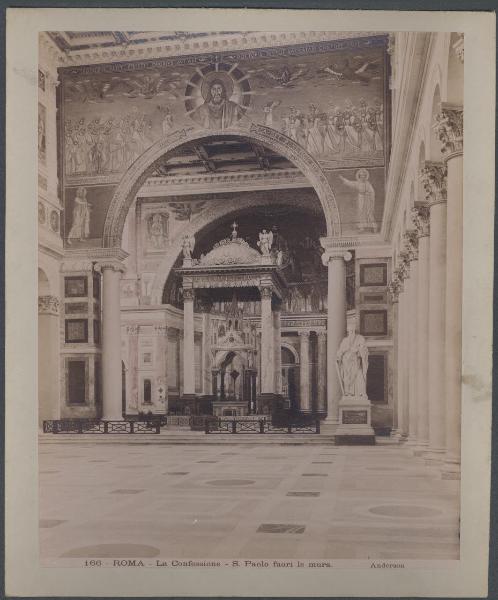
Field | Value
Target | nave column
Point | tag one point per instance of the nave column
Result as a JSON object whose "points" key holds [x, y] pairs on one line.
{"points": [[420, 217], [434, 182], [402, 342], [267, 342], [188, 343], [395, 287], [449, 124], [277, 349], [411, 328], [111, 270], [322, 372], [304, 371], [333, 259]]}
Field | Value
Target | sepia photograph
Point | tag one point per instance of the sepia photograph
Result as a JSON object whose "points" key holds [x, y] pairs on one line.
{"points": [[250, 279]]}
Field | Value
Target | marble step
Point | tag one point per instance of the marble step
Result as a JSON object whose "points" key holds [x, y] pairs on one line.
{"points": [[191, 438]]}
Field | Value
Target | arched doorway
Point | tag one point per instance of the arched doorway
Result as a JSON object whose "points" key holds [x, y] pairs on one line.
{"points": [[290, 377]]}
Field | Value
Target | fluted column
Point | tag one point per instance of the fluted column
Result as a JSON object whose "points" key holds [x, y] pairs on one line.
{"points": [[336, 325], [434, 181], [322, 372], [304, 371], [411, 240], [267, 342], [450, 130], [188, 343], [420, 217], [111, 340]]}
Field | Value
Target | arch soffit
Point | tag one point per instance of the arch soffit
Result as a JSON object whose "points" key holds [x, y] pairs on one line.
{"points": [[217, 210], [138, 172]]}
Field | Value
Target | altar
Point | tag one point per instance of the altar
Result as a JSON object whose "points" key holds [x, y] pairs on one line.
{"points": [[240, 361]]}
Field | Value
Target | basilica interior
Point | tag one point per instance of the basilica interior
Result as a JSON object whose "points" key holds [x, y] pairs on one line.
{"points": [[214, 208]]}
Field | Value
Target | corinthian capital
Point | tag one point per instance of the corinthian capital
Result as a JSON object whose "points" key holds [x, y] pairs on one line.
{"points": [[329, 255], [110, 264], [48, 305], [421, 220], [458, 47], [403, 270], [265, 291], [395, 288], [411, 244], [449, 129], [433, 178], [188, 294]]}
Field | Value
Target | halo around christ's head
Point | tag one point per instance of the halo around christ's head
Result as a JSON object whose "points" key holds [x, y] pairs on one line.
{"points": [[219, 77], [234, 82]]}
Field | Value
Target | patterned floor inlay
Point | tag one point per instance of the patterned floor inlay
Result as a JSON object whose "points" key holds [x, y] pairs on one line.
{"points": [[304, 494], [403, 511], [126, 491], [383, 468], [112, 551], [273, 457], [47, 523], [280, 528], [70, 456], [224, 482]]}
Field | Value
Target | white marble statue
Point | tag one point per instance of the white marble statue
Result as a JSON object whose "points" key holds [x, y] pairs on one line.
{"points": [[188, 246], [352, 363], [265, 242]]}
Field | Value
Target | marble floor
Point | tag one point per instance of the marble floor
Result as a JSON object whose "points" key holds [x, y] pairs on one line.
{"points": [[219, 501]]}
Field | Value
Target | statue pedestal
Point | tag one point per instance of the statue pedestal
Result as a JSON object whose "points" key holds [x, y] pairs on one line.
{"points": [[354, 426]]}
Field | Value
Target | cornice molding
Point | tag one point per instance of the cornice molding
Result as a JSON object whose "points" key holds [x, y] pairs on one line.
{"points": [[97, 254], [410, 87], [240, 181], [223, 46]]}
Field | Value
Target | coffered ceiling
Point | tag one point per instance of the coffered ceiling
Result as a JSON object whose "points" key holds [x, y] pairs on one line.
{"points": [[222, 155]]}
